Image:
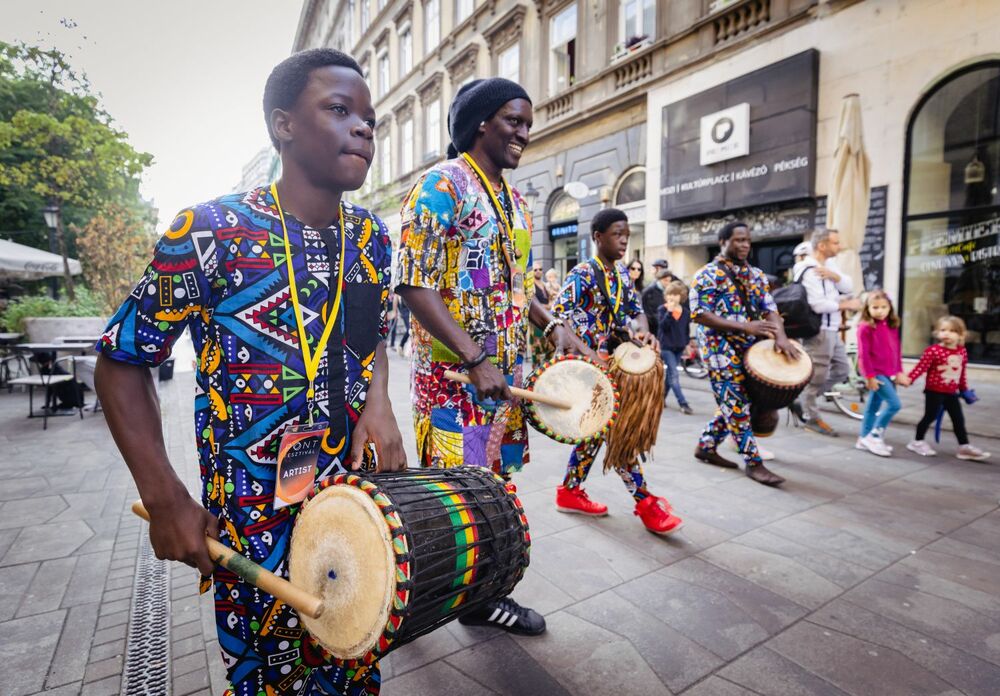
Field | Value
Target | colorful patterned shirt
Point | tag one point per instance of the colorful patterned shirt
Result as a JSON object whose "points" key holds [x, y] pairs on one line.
{"points": [[582, 303], [713, 291], [452, 242], [220, 271]]}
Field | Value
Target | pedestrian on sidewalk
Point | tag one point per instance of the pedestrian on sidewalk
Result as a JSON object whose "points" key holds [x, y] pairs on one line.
{"points": [[945, 365], [827, 291], [652, 295], [263, 367], [674, 333], [732, 306], [880, 362]]}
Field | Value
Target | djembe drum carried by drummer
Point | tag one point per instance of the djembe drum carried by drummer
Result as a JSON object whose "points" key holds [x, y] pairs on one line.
{"points": [[598, 302]]}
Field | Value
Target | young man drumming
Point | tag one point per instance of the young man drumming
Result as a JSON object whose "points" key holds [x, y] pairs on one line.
{"points": [[464, 253], [285, 290], [597, 300]]}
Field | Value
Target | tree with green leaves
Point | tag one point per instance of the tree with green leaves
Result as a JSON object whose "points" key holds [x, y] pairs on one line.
{"points": [[58, 146]]}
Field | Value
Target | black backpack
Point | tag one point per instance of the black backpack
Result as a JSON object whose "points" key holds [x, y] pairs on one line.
{"points": [[793, 306]]}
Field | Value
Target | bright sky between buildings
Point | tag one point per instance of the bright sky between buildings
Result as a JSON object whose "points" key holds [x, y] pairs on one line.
{"points": [[183, 78]]}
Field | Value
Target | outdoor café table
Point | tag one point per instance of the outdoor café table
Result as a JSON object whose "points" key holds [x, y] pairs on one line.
{"points": [[49, 379]]}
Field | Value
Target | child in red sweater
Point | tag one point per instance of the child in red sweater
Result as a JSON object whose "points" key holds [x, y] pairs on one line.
{"points": [[945, 364]]}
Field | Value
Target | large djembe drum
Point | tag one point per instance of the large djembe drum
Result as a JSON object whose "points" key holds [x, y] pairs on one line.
{"points": [[396, 555], [638, 372], [589, 393], [773, 381]]}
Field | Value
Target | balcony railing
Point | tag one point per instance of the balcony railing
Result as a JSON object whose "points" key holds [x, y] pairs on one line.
{"points": [[740, 19]]}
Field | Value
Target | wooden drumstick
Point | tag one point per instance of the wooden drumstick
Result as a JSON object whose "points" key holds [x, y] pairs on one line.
{"points": [[296, 597], [519, 393]]}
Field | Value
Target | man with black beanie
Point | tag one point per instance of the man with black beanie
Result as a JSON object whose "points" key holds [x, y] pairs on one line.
{"points": [[464, 251]]}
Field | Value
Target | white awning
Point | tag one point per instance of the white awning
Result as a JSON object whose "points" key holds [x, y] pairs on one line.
{"points": [[28, 263]]}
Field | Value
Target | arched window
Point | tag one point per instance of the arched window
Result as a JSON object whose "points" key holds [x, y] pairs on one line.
{"points": [[951, 212], [563, 208], [631, 188]]}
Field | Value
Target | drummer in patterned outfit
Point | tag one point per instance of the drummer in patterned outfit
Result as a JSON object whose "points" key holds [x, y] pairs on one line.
{"points": [[732, 307], [465, 250], [598, 300], [252, 275]]}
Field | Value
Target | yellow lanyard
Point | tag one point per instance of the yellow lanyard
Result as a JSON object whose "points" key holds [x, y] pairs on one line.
{"points": [[607, 287], [506, 225], [311, 359]]}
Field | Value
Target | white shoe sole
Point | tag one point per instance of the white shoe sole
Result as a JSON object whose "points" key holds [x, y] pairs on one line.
{"points": [[574, 511], [973, 457], [922, 454]]}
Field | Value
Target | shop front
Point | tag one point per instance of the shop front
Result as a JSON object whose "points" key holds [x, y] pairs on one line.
{"points": [[951, 221], [744, 149]]}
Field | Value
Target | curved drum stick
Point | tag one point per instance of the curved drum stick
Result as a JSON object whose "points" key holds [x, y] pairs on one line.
{"points": [[296, 597], [519, 393]]}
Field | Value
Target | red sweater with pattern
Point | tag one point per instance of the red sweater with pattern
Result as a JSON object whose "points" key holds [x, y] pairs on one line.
{"points": [[945, 368]]}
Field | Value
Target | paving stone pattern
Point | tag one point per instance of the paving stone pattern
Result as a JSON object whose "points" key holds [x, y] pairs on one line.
{"points": [[861, 576]]}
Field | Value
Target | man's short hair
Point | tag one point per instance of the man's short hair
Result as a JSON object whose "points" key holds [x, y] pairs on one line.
{"points": [[820, 236], [289, 78], [663, 273], [726, 233], [606, 218]]}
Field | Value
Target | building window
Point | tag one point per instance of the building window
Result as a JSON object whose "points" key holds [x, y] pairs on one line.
{"points": [[637, 21], [406, 146], [405, 50], [383, 74], [349, 26], [365, 18], [382, 4], [432, 129], [563, 216], [463, 8], [951, 242], [509, 63], [432, 25], [384, 158], [562, 42], [631, 189]]}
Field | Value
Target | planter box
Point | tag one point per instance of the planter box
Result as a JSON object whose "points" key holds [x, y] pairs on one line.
{"points": [[47, 329]]}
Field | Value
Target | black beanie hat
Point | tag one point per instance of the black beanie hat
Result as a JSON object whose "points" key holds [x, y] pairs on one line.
{"points": [[475, 102]]}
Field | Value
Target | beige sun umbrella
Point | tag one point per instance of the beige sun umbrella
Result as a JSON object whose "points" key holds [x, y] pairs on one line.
{"points": [[847, 204]]}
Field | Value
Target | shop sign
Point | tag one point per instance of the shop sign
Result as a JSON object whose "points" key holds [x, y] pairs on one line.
{"points": [[563, 230], [725, 134], [768, 158]]}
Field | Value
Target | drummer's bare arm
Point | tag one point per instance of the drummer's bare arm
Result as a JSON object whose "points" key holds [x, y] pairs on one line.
{"points": [[563, 337], [781, 342], [178, 523], [377, 423], [427, 306], [643, 333]]}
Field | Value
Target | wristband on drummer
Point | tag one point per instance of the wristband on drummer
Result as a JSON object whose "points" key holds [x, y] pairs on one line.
{"points": [[475, 362], [551, 326]]}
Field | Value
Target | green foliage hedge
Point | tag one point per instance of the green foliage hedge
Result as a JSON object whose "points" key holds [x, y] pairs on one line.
{"points": [[19, 309]]}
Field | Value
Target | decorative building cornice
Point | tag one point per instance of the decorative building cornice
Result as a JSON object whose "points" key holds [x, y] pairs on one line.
{"points": [[464, 63], [404, 14], [404, 109], [506, 30], [382, 40], [430, 89]]}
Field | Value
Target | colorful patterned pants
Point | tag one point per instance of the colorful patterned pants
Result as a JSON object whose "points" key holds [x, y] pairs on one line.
{"points": [[267, 651], [582, 459], [732, 417]]}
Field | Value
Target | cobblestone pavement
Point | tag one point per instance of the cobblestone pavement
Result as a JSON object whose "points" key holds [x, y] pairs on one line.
{"points": [[861, 576]]}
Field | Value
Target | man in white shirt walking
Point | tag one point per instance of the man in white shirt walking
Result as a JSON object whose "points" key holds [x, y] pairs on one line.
{"points": [[828, 291]]}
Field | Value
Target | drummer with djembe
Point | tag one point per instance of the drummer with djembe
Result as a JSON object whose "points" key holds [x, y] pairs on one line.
{"points": [[733, 308], [598, 301]]}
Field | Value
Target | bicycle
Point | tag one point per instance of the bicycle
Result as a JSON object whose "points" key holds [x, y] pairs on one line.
{"points": [[692, 364], [849, 396]]}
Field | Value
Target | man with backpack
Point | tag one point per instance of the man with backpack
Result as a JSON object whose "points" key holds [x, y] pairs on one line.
{"points": [[827, 292]]}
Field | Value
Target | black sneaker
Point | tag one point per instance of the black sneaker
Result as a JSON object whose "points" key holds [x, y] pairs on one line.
{"points": [[508, 615]]}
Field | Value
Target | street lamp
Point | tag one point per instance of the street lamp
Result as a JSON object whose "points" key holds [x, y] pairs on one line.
{"points": [[530, 195], [51, 213]]}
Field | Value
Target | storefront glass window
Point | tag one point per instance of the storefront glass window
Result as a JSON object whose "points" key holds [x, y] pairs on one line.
{"points": [[951, 253]]}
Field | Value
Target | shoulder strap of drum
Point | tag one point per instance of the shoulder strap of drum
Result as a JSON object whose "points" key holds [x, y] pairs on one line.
{"points": [[739, 288], [603, 287]]}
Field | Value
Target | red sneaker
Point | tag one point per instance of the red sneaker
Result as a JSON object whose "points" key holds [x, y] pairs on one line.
{"points": [[654, 512], [576, 500]]}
